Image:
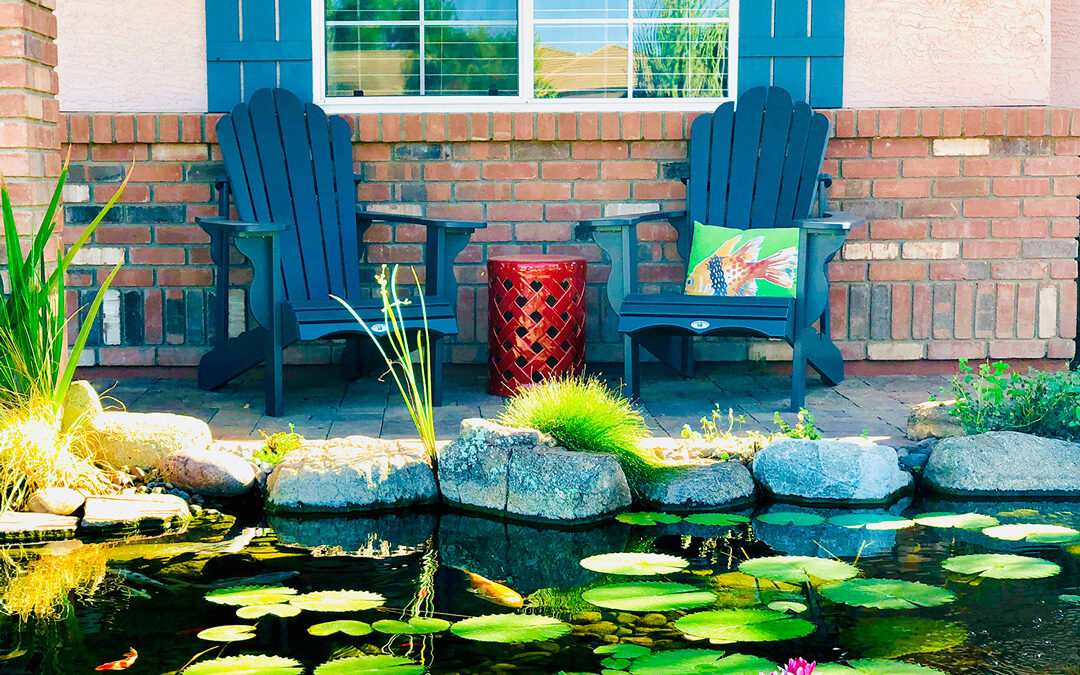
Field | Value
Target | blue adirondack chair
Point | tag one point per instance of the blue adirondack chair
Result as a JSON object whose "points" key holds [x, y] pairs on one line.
{"points": [[751, 165], [290, 172]]}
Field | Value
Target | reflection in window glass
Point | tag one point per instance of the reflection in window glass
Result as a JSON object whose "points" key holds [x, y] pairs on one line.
{"points": [[471, 60], [680, 9], [680, 60], [472, 11], [588, 61], [579, 10], [372, 10], [373, 61]]}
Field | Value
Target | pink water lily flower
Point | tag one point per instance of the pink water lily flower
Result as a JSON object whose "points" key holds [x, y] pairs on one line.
{"points": [[796, 667]]}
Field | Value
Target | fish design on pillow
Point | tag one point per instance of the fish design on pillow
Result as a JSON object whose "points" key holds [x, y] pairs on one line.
{"points": [[736, 271]]}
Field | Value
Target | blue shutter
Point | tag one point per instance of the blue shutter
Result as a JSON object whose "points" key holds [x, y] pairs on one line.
{"points": [[274, 50], [780, 40]]}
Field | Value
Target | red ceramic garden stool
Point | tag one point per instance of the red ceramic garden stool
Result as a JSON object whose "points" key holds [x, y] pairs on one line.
{"points": [[536, 320]]}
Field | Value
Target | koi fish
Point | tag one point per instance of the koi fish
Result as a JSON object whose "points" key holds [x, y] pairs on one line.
{"points": [[493, 591], [122, 664], [730, 271]]}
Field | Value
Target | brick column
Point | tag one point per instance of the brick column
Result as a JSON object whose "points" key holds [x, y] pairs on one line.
{"points": [[29, 111]]}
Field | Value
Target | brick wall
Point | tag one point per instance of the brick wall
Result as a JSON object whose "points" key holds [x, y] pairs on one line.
{"points": [[970, 251]]}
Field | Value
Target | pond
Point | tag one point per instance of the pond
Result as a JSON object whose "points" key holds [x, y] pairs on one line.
{"points": [[72, 607]]}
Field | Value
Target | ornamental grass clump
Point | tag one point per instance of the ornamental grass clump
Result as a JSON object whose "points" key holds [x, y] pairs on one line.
{"points": [[585, 415]]}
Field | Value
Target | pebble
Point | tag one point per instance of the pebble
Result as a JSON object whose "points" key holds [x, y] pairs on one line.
{"points": [[653, 619], [549, 647], [138, 473], [598, 628], [643, 641], [624, 631], [157, 491], [624, 618], [588, 617], [195, 509]]}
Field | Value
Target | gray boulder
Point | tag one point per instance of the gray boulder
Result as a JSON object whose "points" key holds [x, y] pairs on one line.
{"points": [[59, 501], [1004, 463], [214, 473], [931, 419], [525, 474], [355, 473], [701, 486], [144, 439], [830, 472]]}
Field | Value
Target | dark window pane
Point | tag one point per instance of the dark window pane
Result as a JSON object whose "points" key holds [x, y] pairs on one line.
{"points": [[680, 60], [681, 9], [372, 61], [471, 11], [581, 9], [575, 60], [471, 60], [372, 10]]}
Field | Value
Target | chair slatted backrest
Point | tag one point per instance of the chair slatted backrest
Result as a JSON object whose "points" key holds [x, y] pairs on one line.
{"points": [[756, 164], [289, 163]]}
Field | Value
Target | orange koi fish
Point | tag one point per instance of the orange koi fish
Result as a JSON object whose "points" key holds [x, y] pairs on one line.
{"points": [[122, 664], [493, 591], [731, 271]]}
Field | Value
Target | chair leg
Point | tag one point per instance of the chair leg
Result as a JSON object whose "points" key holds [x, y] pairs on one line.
{"points": [[798, 375], [631, 367], [273, 377], [354, 358], [688, 361], [438, 355]]}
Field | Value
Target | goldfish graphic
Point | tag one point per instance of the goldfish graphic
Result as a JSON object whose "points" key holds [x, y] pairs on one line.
{"points": [[736, 271], [494, 592], [122, 664]]}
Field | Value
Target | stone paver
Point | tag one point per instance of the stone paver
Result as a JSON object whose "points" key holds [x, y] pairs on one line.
{"points": [[321, 404]]}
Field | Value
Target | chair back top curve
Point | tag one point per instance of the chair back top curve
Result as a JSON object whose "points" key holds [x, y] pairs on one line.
{"points": [[756, 163], [289, 163]]}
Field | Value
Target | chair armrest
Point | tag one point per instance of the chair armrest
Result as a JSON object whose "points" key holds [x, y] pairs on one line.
{"points": [[239, 228], [832, 222], [584, 227], [373, 216]]}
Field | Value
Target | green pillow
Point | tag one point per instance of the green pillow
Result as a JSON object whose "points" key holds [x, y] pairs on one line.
{"points": [[761, 262]]}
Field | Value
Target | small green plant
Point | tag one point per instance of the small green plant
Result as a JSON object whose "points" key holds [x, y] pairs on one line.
{"points": [[717, 432], [804, 426], [583, 414], [1039, 402], [276, 446]]}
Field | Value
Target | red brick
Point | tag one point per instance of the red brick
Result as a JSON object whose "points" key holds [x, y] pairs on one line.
{"points": [[901, 312], [119, 153], [108, 234], [542, 231], [995, 122], [182, 192], [479, 127], [372, 152], [870, 168], [494, 231], [921, 311], [931, 208], [1066, 187], [932, 167], [866, 123], [991, 208], [527, 192], [184, 277], [628, 170], [169, 128], [1025, 310], [609, 126], [991, 249], [152, 333], [167, 234], [524, 129], [1005, 312], [1064, 227], [973, 122], [451, 171], [482, 191], [952, 351], [546, 129], [456, 211], [898, 229], [126, 356], [631, 126], [903, 188], [958, 271], [662, 191], [652, 126], [127, 277], [157, 256], [1052, 166], [888, 122], [515, 212], [1062, 269], [145, 172], [900, 147], [952, 122], [1049, 248], [396, 253], [602, 191], [658, 150], [991, 166], [1067, 310], [1018, 349], [848, 148], [962, 187], [573, 211], [510, 171], [1021, 187], [1019, 228], [570, 171], [599, 150], [1051, 207], [958, 229], [847, 271], [673, 126], [1036, 121], [964, 311], [589, 126], [132, 193], [1018, 269], [897, 271]]}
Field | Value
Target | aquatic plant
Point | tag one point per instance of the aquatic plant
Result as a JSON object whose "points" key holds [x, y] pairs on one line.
{"points": [[43, 587], [378, 663], [227, 633], [887, 594], [963, 521], [1001, 566], [583, 414], [797, 569], [276, 446], [346, 626], [896, 636], [681, 661], [797, 666], [648, 518], [248, 663], [871, 521], [717, 432], [648, 596], [744, 625], [635, 564], [716, 519], [1035, 533], [800, 518], [510, 628], [337, 601]]}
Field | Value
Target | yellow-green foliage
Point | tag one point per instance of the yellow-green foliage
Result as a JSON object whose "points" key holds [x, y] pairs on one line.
{"points": [[275, 446], [42, 587], [717, 433]]}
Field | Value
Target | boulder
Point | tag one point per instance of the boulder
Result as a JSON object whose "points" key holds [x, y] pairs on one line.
{"points": [[523, 473], [144, 439], [830, 472], [701, 486], [59, 501], [355, 473], [213, 473], [1004, 463], [81, 405], [931, 419], [114, 513]]}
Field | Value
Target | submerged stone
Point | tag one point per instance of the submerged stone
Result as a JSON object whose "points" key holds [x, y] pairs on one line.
{"points": [[59, 501], [701, 486], [1006, 463], [214, 473]]}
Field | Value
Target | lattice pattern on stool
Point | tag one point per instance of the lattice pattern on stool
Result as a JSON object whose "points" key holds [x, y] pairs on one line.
{"points": [[536, 320]]}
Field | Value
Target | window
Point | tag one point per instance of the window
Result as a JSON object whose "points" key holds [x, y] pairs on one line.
{"points": [[523, 51]]}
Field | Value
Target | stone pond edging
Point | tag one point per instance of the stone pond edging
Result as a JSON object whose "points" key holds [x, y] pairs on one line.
{"points": [[1004, 464]]}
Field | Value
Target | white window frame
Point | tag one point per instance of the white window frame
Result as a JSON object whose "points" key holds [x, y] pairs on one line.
{"points": [[518, 103]]}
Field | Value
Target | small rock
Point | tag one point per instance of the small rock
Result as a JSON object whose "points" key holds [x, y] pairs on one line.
{"points": [[915, 461], [624, 618], [653, 619], [600, 628], [932, 420], [157, 490], [59, 501], [138, 473], [195, 509], [588, 617], [209, 472], [81, 405], [624, 631]]}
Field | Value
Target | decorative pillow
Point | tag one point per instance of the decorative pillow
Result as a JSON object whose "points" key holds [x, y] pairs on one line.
{"points": [[761, 262]]}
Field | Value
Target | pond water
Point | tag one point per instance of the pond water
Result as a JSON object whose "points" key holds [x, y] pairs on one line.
{"points": [[73, 607]]}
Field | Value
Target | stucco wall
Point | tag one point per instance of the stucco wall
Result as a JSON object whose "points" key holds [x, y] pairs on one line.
{"points": [[1065, 53], [132, 55], [951, 53]]}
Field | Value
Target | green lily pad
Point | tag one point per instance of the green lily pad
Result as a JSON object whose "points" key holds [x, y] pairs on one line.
{"points": [[887, 594], [1001, 566], [896, 636], [648, 596], [871, 521], [635, 564], [417, 625], [255, 611], [791, 518], [744, 625], [648, 518], [615, 663], [346, 626], [796, 569], [787, 606], [624, 650], [703, 661], [1033, 533], [1071, 599], [962, 521], [716, 519], [381, 664], [510, 628], [874, 667], [245, 596], [249, 664], [228, 633], [337, 601]]}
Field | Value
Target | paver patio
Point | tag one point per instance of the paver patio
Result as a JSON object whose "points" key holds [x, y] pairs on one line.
{"points": [[321, 404]]}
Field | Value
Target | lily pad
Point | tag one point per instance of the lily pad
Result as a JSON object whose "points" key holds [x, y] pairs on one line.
{"points": [[380, 664], [705, 661], [228, 633], [896, 636], [887, 594], [1033, 532], [1071, 599], [962, 521], [787, 606], [874, 667], [791, 518], [624, 650], [796, 569], [338, 601], [1001, 566], [744, 625], [346, 626], [510, 628], [648, 596], [635, 564], [245, 596], [417, 625], [648, 518], [256, 611], [871, 521], [716, 519], [249, 664], [615, 663]]}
